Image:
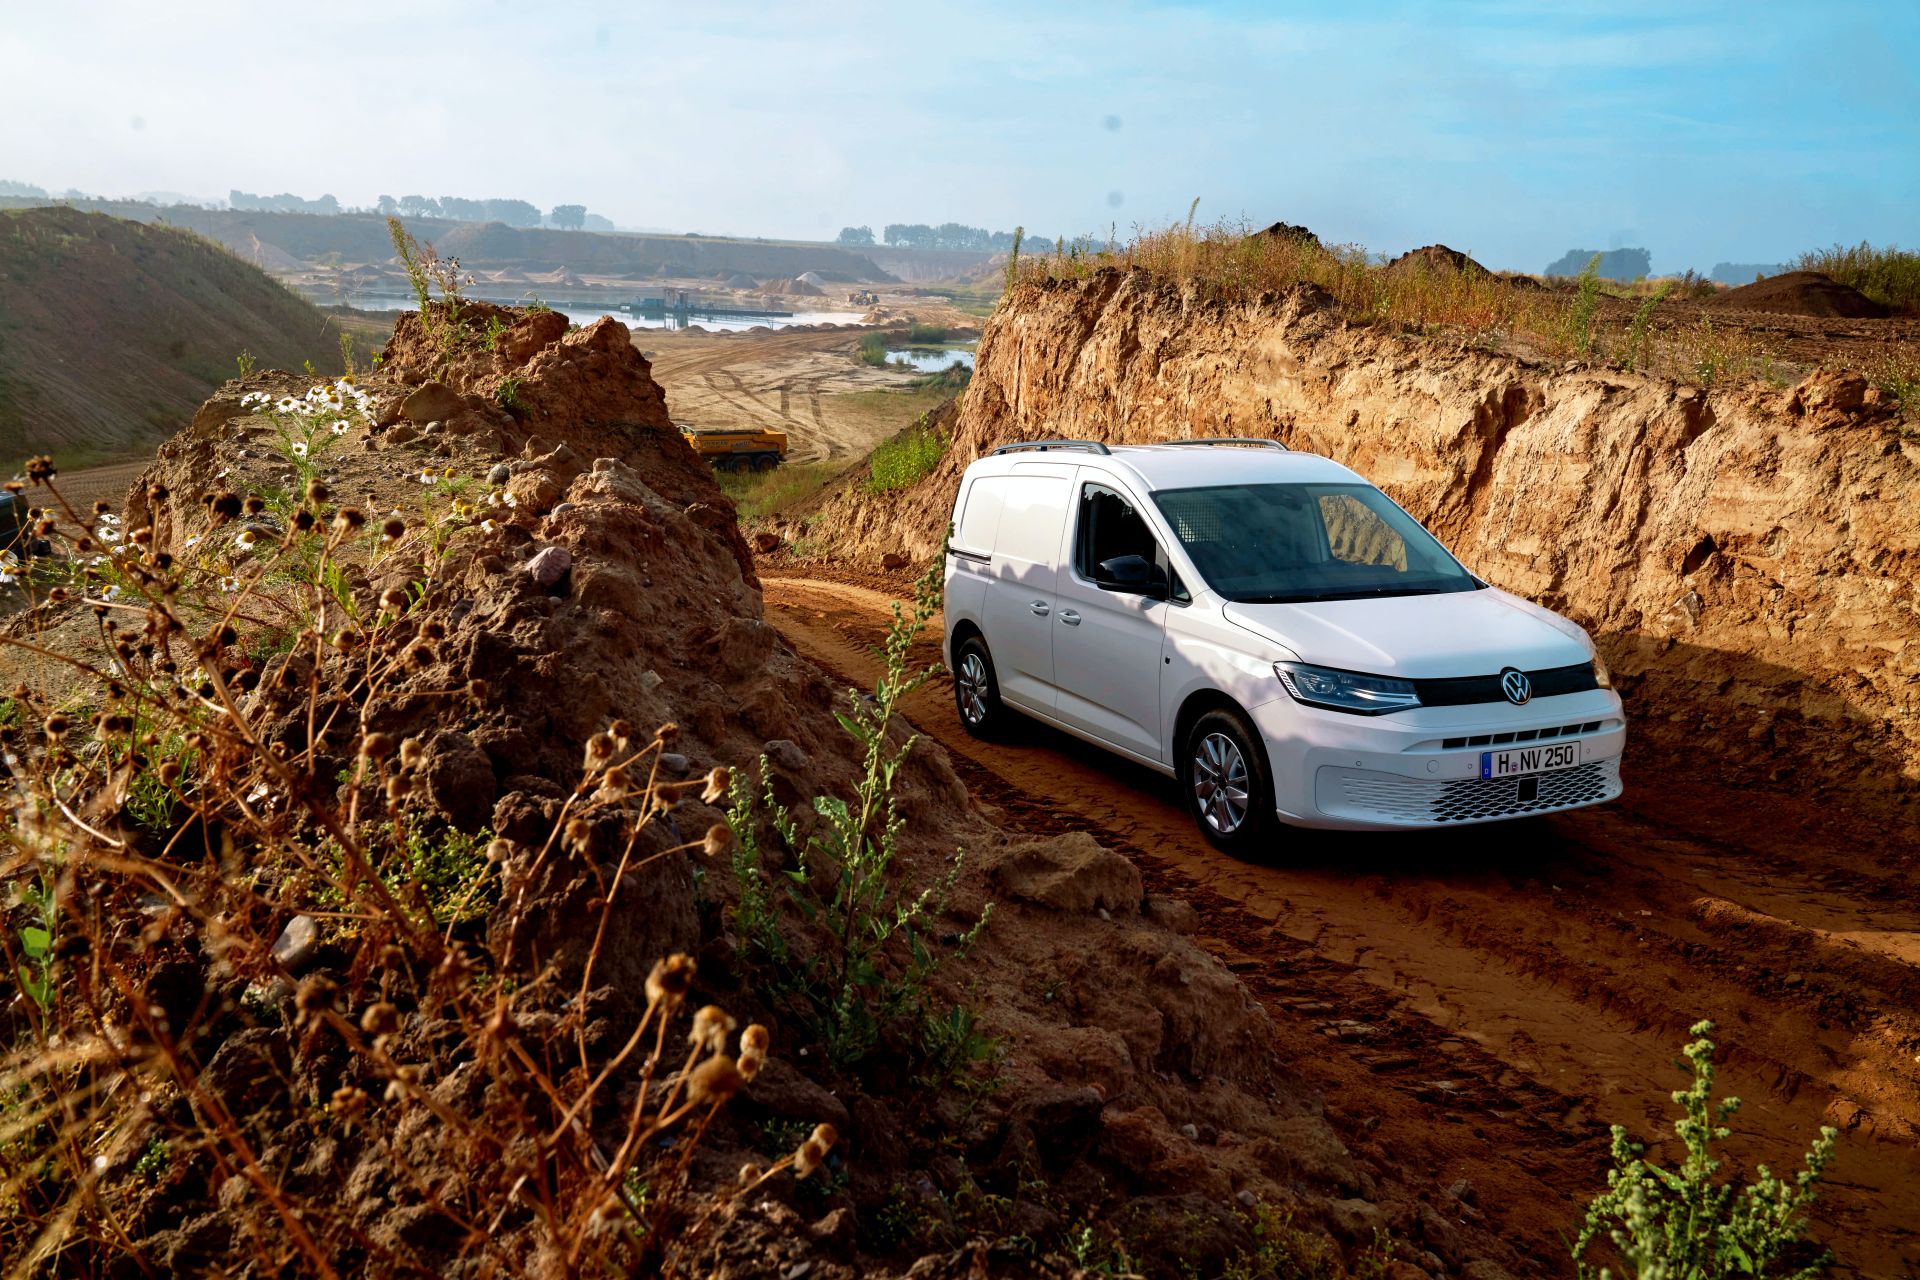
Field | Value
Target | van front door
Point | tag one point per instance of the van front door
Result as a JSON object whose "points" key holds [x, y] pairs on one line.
{"points": [[1107, 644], [1018, 615]]}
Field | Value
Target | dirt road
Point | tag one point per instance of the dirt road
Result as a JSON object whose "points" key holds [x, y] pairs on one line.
{"points": [[806, 383], [1483, 1003]]}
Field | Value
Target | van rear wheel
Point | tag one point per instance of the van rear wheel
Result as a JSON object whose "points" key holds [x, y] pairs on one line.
{"points": [[976, 690], [1228, 788]]}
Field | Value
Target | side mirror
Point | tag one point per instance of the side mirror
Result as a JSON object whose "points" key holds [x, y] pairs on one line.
{"points": [[1130, 575]]}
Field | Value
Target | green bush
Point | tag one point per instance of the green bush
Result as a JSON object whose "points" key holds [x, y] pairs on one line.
{"points": [[906, 458], [1679, 1224], [1889, 276], [873, 350]]}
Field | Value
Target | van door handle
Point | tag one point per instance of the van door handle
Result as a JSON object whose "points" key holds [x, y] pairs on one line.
{"points": [[1040, 607], [1069, 617]]}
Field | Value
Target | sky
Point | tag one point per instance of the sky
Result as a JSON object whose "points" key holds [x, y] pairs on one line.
{"points": [[1704, 132]]}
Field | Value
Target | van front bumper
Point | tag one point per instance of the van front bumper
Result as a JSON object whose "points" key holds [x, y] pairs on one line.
{"points": [[1421, 768]]}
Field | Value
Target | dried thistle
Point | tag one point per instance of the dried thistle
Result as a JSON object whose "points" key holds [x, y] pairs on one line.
{"points": [[671, 979], [718, 840], [714, 1081], [711, 1027], [719, 781]]}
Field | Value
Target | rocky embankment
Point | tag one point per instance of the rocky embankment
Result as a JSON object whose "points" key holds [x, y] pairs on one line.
{"points": [[1746, 556], [1128, 1098]]}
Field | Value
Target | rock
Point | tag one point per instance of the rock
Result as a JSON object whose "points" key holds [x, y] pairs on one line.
{"points": [[1482, 1269], [1173, 914], [431, 401], [1072, 872], [893, 561], [499, 474], [1059, 1121], [1355, 1221], [780, 1090], [535, 492], [562, 509], [787, 754], [765, 542], [549, 565], [294, 947], [835, 1232], [459, 778]]}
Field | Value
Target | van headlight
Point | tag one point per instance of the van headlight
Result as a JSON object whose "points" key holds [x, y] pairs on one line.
{"points": [[1601, 675], [1345, 690]]}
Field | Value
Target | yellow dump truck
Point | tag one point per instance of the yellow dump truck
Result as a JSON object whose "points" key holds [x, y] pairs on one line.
{"points": [[742, 449]]}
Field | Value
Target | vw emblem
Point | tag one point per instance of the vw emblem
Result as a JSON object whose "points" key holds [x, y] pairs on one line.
{"points": [[1514, 683]]}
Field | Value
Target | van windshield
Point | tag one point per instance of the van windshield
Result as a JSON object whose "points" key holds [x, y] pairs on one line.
{"points": [[1291, 543]]}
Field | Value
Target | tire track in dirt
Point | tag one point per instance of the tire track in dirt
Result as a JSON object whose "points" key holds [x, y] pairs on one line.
{"points": [[1486, 1000]]}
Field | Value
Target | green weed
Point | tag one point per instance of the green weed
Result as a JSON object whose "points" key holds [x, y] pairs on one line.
{"points": [[1586, 301], [1642, 317], [1890, 276], [1680, 1224], [906, 458]]}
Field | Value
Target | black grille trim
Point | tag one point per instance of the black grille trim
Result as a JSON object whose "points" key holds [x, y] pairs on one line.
{"points": [[1467, 691]]}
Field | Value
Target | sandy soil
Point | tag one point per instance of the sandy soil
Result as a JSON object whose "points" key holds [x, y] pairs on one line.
{"points": [[804, 382], [1489, 1000]]}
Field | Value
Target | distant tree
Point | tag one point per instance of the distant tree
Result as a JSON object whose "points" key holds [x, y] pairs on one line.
{"points": [[570, 217], [386, 206], [515, 213], [326, 204], [463, 210], [855, 236], [10, 188], [595, 222], [1615, 264], [419, 207], [909, 235]]}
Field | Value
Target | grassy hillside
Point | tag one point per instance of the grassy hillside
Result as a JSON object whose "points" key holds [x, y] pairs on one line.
{"points": [[113, 332]]}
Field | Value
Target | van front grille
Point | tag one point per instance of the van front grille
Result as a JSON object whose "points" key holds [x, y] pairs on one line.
{"points": [[1380, 797]]}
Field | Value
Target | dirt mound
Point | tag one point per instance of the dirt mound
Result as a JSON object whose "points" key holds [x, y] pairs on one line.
{"points": [[163, 314], [1803, 293], [1738, 552], [1135, 1081], [1436, 257], [1287, 231]]}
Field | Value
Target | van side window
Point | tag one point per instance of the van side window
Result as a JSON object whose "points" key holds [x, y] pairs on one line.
{"points": [[1109, 527]]}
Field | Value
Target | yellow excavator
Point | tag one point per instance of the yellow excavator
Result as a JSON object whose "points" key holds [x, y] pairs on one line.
{"points": [[738, 449]]}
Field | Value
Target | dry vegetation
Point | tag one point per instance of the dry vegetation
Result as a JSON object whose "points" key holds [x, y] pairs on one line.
{"points": [[1633, 325]]}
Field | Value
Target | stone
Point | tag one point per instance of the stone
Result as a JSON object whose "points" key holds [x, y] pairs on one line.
{"points": [[499, 474], [672, 762], [429, 403], [787, 754], [1176, 915], [766, 541], [893, 561], [294, 947], [549, 565], [459, 778], [1072, 872]]}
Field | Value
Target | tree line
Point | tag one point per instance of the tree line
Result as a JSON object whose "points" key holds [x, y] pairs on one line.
{"points": [[919, 235], [515, 213]]}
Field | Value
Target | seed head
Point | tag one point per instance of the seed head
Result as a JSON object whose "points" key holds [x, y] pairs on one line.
{"points": [[380, 1019], [255, 505], [58, 725], [578, 834], [398, 786], [622, 733], [41, 469], [499, 850], [711, 1027], [169, 773], [749, 1174], [714, 1081], [616, 783], [392, 529], [754, 1039], [348, 518], [719, 781], [317, 492], [477, 690], [349, 1101], [667, 794], [393, 600], [377, 746], [412, 752], [600, 749], [671, 979], [719, 840], [668, 732]]}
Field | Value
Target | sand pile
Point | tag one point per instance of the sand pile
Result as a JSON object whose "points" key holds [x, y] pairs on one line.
{"points": [[1803, 293]]}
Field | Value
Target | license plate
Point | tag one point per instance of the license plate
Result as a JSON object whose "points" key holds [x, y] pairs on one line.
{"points": [[1517, 761]]}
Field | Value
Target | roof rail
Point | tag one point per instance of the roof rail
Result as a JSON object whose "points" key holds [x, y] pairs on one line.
{"points": [[1041, 446], [1259, 442]]}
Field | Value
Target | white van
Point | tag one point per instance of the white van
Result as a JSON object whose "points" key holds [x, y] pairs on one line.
{"points": [[1271, 630]]}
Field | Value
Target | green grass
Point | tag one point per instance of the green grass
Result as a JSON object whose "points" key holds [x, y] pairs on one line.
{"points": [[759, 494], [906, 458], [1890, 276], [873, 350]]}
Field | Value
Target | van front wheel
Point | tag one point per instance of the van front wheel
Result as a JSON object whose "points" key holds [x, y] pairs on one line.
{"points": [[1228, 788], [976, 690]]}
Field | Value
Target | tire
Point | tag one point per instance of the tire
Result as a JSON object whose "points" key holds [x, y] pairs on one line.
{"points": [[976, 690], [1227, 785]]}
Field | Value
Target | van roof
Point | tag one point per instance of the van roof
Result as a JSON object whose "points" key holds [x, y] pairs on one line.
{"points": [[1166, 466]]}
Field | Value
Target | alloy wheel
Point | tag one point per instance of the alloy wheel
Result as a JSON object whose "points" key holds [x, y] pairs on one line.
{"points": [[1220, 783], [973, 688]]}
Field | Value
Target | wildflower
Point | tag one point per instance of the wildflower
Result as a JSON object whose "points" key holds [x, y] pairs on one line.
{"points": [[753, 1050], [107, 517], [246, 539], [340, 427], [719, 780], [714, 1081], [299, 448], [616, 784], [670, 979], [41, 469], [813, 1152], [711, 1027], [108, 536], [392, 529], [487, 526], [317, 492], [719, 840], [194, 541], [427, 477], [229, 584]]}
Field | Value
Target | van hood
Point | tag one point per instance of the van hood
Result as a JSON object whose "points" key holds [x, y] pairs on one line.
{"points": [[1462, 633]]}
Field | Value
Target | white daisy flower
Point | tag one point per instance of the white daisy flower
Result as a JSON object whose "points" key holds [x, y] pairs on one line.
{"points": [[107, 517], [8, 579], [246, 539], [229, 585], [299, 448], [427, 477], [488, 526], [340, 427], [194, 541]]}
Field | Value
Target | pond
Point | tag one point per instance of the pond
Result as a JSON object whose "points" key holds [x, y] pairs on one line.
{"points": [[582, 313], [931, 359]]}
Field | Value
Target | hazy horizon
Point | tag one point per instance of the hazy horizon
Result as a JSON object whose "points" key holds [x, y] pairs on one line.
{"points": [[1729, 133]]}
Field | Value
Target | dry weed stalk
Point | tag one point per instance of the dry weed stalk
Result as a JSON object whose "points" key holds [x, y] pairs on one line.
{"points": [[167, 818]]}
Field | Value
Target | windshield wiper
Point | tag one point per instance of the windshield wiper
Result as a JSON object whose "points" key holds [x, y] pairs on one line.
{"points": [[1322, 597]]}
